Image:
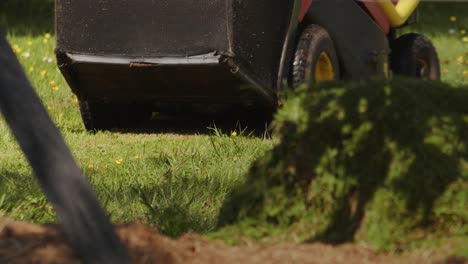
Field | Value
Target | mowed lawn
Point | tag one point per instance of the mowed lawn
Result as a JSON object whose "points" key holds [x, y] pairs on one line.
{"points": [[176, 182]]}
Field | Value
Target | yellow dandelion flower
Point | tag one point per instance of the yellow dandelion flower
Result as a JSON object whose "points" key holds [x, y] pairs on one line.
{"points": [[43, 73], [118, 161], [47, 36], [31, 69], [55, 88], [91, 167], [30, 43], [48, 107], [75, 99], [136, 157], [17, 49], [462, 32], [465, 39], [45, 41], [453, 18], [234, 134]]}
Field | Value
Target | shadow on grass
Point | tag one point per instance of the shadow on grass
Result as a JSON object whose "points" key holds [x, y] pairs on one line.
{"points": [[27, 17], [182, 204], [413, 131], [246, 124], [365, 160], [21, 197]]}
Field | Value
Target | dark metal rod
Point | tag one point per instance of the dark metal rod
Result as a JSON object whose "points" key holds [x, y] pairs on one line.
{"points": [[82, 218]]}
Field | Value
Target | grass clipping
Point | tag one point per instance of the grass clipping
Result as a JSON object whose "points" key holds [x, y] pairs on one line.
{"points": [[383, 163]]}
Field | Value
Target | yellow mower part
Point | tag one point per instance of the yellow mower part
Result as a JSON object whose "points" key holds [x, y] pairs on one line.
{"points": [[399, 13], [324, 70]]}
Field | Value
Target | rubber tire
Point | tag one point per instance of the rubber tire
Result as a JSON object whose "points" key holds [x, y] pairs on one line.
{"points": [[105, 116], [313, 40], [407, 50]]}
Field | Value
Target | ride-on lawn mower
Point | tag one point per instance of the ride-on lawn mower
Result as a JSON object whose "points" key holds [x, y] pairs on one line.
{"points": [[125, 59]]}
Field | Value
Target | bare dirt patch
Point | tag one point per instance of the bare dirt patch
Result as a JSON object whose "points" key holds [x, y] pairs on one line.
{"points": [[27, 243]]}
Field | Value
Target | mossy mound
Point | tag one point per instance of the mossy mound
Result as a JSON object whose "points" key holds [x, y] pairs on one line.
{"points": [[385, 163]]}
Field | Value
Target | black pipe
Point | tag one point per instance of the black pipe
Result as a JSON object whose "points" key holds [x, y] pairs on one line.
{"points": [[83, 220]]}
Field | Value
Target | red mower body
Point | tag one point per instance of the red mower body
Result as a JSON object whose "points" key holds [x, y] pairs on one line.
{"points": [[304, 8]]}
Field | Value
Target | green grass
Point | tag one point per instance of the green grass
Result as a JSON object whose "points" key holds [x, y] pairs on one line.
{"points": [[174, 182], [381, 163], [179, 183]]}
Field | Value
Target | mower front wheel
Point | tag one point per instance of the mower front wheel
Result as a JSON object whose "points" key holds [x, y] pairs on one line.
{"points": [[414, 55], [315, 59], [105, 116]]}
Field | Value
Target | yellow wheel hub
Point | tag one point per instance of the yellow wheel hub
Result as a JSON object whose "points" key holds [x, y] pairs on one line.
{"points": [[324, 70]]}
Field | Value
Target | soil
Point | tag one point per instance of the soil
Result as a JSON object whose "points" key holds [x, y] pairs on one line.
{"points": [[28, 243]]}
